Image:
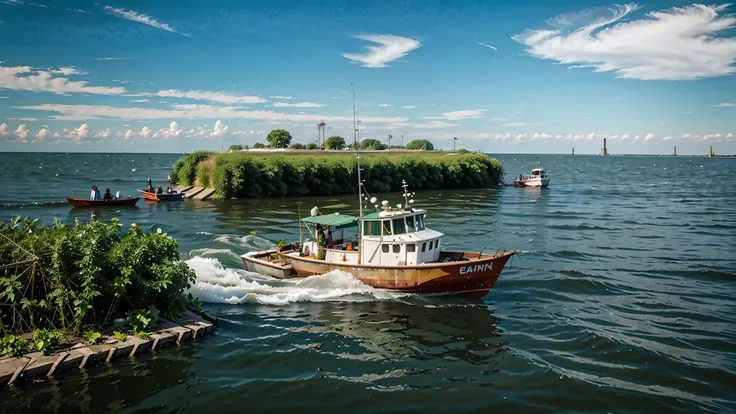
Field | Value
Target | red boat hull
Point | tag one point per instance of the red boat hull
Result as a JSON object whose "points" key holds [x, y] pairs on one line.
{"points": [[162, 197], [84, 202]]}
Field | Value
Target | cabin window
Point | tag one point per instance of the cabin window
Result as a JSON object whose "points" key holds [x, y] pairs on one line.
{"points": [[375, 228], [411, 248], [410, 224], [386, 225], [437, 244], [420, 222], [424, 246], [397, 248], [366, 228], [384, 247], [399, 227], [430, 244]]}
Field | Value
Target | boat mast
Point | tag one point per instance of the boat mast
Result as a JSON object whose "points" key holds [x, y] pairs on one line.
{"points": [[360, 183]]}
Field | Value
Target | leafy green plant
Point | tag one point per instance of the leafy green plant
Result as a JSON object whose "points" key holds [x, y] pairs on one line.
{"points": [[203, 174], [12, 345], [92, 336], [142, 321], [143, 335], [282, 243], [44, 339], [194, 301], [120, 336]]}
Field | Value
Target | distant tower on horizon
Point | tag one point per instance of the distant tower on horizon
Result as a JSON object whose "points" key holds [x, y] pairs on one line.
{"points": [[675, 154], [710, 152], [604, 150], [573, 150]]}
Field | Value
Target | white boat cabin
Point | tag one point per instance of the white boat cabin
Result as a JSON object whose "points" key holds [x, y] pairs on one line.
{"points": [[390, 237]]}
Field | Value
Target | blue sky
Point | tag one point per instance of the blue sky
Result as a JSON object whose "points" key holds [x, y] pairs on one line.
{"points": [[502, 76]]}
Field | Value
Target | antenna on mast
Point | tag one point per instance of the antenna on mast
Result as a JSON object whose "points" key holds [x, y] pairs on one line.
{"points": [[357, 154]]}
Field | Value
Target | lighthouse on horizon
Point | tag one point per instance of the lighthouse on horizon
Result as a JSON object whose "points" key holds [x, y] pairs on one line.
{"points": [[604, 150]]}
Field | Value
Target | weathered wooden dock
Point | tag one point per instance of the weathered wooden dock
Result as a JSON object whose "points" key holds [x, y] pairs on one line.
{"points": [[36, 366]]}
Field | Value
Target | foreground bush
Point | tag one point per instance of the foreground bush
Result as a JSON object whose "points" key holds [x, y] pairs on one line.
{"points": [[185, 170], [255, 176], [84, 277]]}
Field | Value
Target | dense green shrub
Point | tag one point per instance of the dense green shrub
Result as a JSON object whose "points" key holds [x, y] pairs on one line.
{"points": [[203, 174], [257, 176], [185, 170], [84, 276], [235, 147], [311, 146], [418, 144]]}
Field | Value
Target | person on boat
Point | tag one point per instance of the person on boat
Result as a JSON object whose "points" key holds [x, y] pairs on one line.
{"points": [[330, 242], [150, 186], [107, 196], [95, 194], [168, 190], [159, 190]]}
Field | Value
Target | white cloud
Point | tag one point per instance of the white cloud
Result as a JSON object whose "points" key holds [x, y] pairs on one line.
{"points": [[385, 105], [221, 97], [219, 130], [29, 119], [113, 58], [458, 115], [190, 112], [649, 137], [542, 135], [674, 44], [667, 138], [174, 130], [4, 129], [729, 136], [146, 132], [388, 49], [42, 134], [297, 105], [80, 133], [517, 124], [139, 100], [26, 78], [501, 119], [624, 137], [56, 135], [140, 18], [22, 132], [436, 125], [725, 105], [686, 136], [488, 46], [129, 134], [286, 98], [104, 134], [409, 107]]}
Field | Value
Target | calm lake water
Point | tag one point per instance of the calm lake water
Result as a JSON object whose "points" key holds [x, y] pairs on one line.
{"points": [[624, 299]]}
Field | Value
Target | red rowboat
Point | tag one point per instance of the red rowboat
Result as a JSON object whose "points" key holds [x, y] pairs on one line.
{"points": [[162, 197], [85, 202]]}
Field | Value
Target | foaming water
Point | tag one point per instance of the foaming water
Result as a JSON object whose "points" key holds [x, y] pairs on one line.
{"points": [[217, 284], [623, 299]]}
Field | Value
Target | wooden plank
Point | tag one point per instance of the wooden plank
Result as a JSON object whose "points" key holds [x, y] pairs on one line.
{"points": [[204, 194], [183, 188], [193, 192]]}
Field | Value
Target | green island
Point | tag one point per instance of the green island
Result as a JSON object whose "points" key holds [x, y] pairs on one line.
{"points": [[61, 284], [329, 172]]}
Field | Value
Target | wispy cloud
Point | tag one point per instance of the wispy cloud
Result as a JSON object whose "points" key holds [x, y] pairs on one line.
{"points": [[286, 98], [725, 105], [139, 100], [385, 105], [435, 125], [674, 44], [488, 46], [297, 105], [517, 124], [409, 107], [78, 10], [114, 58], [75, 112], [26, 78], [388, 49], [458, 115], [221, 97], [140, 18]]}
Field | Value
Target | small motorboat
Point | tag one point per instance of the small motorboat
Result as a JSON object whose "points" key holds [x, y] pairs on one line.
{"points": [[86, 202], [266, 262], [537, 178], [162, 197]]}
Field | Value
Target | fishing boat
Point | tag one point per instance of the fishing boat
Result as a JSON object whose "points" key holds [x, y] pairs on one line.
{"points": [[85, 202], [389, 248], [161, 197], [537, 178]]}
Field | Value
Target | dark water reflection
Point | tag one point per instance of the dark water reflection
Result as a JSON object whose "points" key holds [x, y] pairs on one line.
{"points": [[622, 301]]}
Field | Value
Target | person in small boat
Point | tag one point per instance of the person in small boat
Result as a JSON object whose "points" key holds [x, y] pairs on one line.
{"points": [[330, 242], [107, 196], [159, 190], [150, 188], [95, 194]]}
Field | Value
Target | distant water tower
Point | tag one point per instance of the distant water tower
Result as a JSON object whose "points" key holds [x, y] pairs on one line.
{"points": [[675, 151], [604, 150], [573, 150]]}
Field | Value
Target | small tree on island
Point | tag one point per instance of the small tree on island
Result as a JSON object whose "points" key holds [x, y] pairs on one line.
{"points": [[311, 146], [297, 146], [279, 138], [419, 144], [335, 142], [235, 148], [259, 145]]}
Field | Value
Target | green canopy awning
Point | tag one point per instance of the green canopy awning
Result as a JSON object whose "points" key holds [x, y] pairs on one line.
{"points": [[337, 220]]}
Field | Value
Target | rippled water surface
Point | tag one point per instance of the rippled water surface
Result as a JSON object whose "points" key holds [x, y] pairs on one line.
{"points": [[624, 299]]}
